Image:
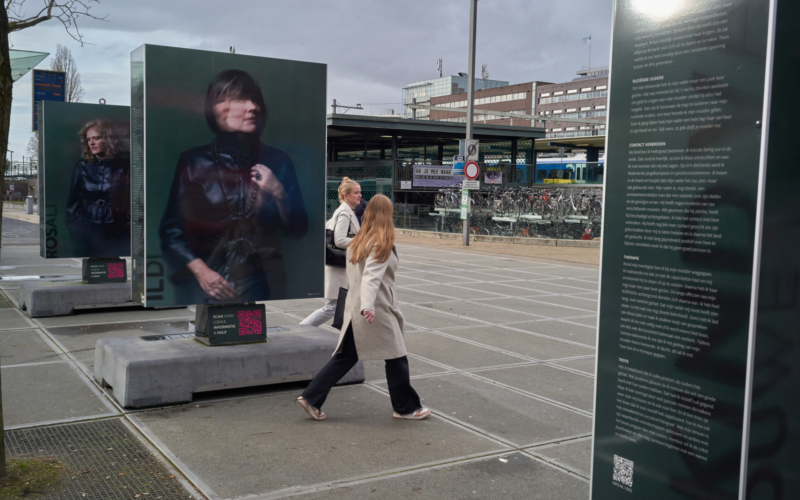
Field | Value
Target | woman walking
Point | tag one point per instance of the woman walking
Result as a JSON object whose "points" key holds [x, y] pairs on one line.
{"points": [[344, 225], [373, 323]]}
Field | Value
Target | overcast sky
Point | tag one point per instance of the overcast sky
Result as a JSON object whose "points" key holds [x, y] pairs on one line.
{"points": [[372, 47]]}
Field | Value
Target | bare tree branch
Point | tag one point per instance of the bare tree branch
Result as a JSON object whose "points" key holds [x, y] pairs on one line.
{"points": [[68, 12]]}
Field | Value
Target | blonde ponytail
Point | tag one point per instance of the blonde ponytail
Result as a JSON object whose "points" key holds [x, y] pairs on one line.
{"points": [[346, 187]]}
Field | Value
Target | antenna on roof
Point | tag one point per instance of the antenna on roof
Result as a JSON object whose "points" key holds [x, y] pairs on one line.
{"points": [[232, 50], [439, 66], [484, 72]]}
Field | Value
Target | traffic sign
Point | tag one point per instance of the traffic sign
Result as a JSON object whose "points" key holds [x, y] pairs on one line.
{"points": [[465, 184], [472, 170], [458, 165], [471, 149]]}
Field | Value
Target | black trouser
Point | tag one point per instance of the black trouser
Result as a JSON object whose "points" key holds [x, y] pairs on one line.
{"points": [[404, 397]]}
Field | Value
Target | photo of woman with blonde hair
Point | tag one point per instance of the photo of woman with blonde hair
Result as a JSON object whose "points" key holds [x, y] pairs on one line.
{"points": [[98, 208]]}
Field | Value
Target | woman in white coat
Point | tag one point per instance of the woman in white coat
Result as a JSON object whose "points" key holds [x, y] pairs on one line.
{"points": [[342, 223], [373, 323]]}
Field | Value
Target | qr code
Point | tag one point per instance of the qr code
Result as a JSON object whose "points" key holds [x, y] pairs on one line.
{"points": [[250, 323], [115, 270], [623, 471]]}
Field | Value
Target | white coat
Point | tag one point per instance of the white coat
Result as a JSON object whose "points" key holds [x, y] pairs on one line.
{"points": [[343, 221], [372, 288]]}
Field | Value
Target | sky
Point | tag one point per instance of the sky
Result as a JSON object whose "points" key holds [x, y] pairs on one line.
{"points": [[372, 47]]}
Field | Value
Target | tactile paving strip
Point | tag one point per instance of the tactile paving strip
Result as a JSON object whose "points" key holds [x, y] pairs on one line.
{"points": [[103, 459], [5, 302]]}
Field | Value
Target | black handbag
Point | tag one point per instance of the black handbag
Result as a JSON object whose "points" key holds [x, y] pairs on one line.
{"points": [[338, 315], [334, 256]]}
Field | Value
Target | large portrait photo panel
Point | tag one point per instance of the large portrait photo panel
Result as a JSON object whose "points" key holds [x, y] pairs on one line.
{"points": [[228, 177], [84, 180]]}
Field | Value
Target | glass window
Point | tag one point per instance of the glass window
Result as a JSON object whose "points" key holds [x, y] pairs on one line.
{"points": [[572, 91], [601, 87]]}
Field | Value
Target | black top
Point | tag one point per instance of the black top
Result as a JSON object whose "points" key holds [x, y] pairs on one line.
{"points": [[203, 221], [100, 193]]}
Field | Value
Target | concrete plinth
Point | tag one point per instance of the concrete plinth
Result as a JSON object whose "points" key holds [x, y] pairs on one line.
{"points": [[40, 299], [144, 373]]}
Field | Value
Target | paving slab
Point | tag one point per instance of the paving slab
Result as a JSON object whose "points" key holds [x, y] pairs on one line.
{"points": [[558, 306], [586, 321], [131, 314], [13, 318], [569, 272], [516, 476], [454, 353], [585, 303], [80, 341], [553, 285], [444, 277], [25, 346], [582, 334], [265, 444], [559, 385], [496, 263], [416, 294], [405, 280], [520, 343], [60, 394], [454, 292], [375, 369], [508, 288], [586, 284], [575, 456], [586, 365], [504, 413], [476, 310], [428, 318], [295, 304]]}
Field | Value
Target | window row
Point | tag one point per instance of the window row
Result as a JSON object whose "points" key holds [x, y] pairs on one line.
{"points": [[572, 97], [485, 100]]}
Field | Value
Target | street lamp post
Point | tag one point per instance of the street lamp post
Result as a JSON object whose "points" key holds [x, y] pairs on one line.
{"points": [[473, 18]]}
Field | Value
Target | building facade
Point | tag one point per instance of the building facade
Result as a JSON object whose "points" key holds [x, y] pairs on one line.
{"points": [[425, 90], [517, 98], [583, 97]]}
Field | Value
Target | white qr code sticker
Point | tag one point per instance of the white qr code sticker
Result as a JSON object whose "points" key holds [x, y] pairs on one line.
{"points": [[623, 471]]}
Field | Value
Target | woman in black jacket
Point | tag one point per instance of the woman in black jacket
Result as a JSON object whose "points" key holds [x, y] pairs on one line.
{"points": [[229, 201], [98, 208]]}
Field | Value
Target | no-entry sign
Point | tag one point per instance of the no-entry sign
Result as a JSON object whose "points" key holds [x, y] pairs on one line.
{"points": [[471, 170]]}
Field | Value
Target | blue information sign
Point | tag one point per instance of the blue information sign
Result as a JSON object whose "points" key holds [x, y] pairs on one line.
{"points": [[458, 165], [47, 86]]}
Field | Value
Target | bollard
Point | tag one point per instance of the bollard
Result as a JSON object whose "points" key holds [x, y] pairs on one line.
{"points": [[29, 205]]}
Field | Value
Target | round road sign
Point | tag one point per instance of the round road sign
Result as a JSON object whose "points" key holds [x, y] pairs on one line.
{"points": [[471, 170]]}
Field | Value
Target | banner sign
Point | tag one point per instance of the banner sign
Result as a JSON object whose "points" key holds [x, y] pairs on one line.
{"points": [[677, 302], [493, 174], [435, 176], [228, 177], [47, 86], [84, 180]]}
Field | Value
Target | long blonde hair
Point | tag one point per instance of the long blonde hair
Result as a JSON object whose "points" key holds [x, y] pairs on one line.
{"points": [[346, 187], [376, 235]]}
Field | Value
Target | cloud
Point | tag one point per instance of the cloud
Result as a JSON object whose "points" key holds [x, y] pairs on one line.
{"points": [[372, 48]]}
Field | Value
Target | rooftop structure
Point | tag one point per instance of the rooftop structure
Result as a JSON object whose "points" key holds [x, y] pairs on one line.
{"points": [[423, 91]]}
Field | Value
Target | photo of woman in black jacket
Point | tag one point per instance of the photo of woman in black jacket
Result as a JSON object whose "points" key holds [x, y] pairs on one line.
{"points": [[98, 208], [230, 204]]}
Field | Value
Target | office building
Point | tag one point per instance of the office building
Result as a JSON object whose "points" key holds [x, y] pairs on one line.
{"points": [[425, 90], [584, 97]]}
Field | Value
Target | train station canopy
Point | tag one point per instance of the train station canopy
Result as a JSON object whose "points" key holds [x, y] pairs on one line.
{"points": [[22, 61]]}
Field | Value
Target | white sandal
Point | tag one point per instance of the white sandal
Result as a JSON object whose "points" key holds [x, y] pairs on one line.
{"points": [[314, 413], [419, 414]]}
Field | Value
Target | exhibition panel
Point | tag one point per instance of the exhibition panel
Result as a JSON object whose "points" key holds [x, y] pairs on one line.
{"points": [[228, 202]]}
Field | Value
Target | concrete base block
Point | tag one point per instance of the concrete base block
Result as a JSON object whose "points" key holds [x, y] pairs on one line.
{"points": [[55, 298], [145, 373]]}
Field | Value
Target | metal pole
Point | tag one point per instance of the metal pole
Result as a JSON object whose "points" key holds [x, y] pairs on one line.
{"points": [[413, 110], [473, 19]]}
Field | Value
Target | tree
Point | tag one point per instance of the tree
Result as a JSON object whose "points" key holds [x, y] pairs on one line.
{"points": [[32, 150], [15, 15], [63, 61]]}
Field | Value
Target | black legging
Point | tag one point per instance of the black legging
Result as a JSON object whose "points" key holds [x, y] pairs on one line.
{"points": [[404, 397]]}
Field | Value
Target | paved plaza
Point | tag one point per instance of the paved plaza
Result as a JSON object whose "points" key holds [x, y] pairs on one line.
{"points": [[501, 348]]}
